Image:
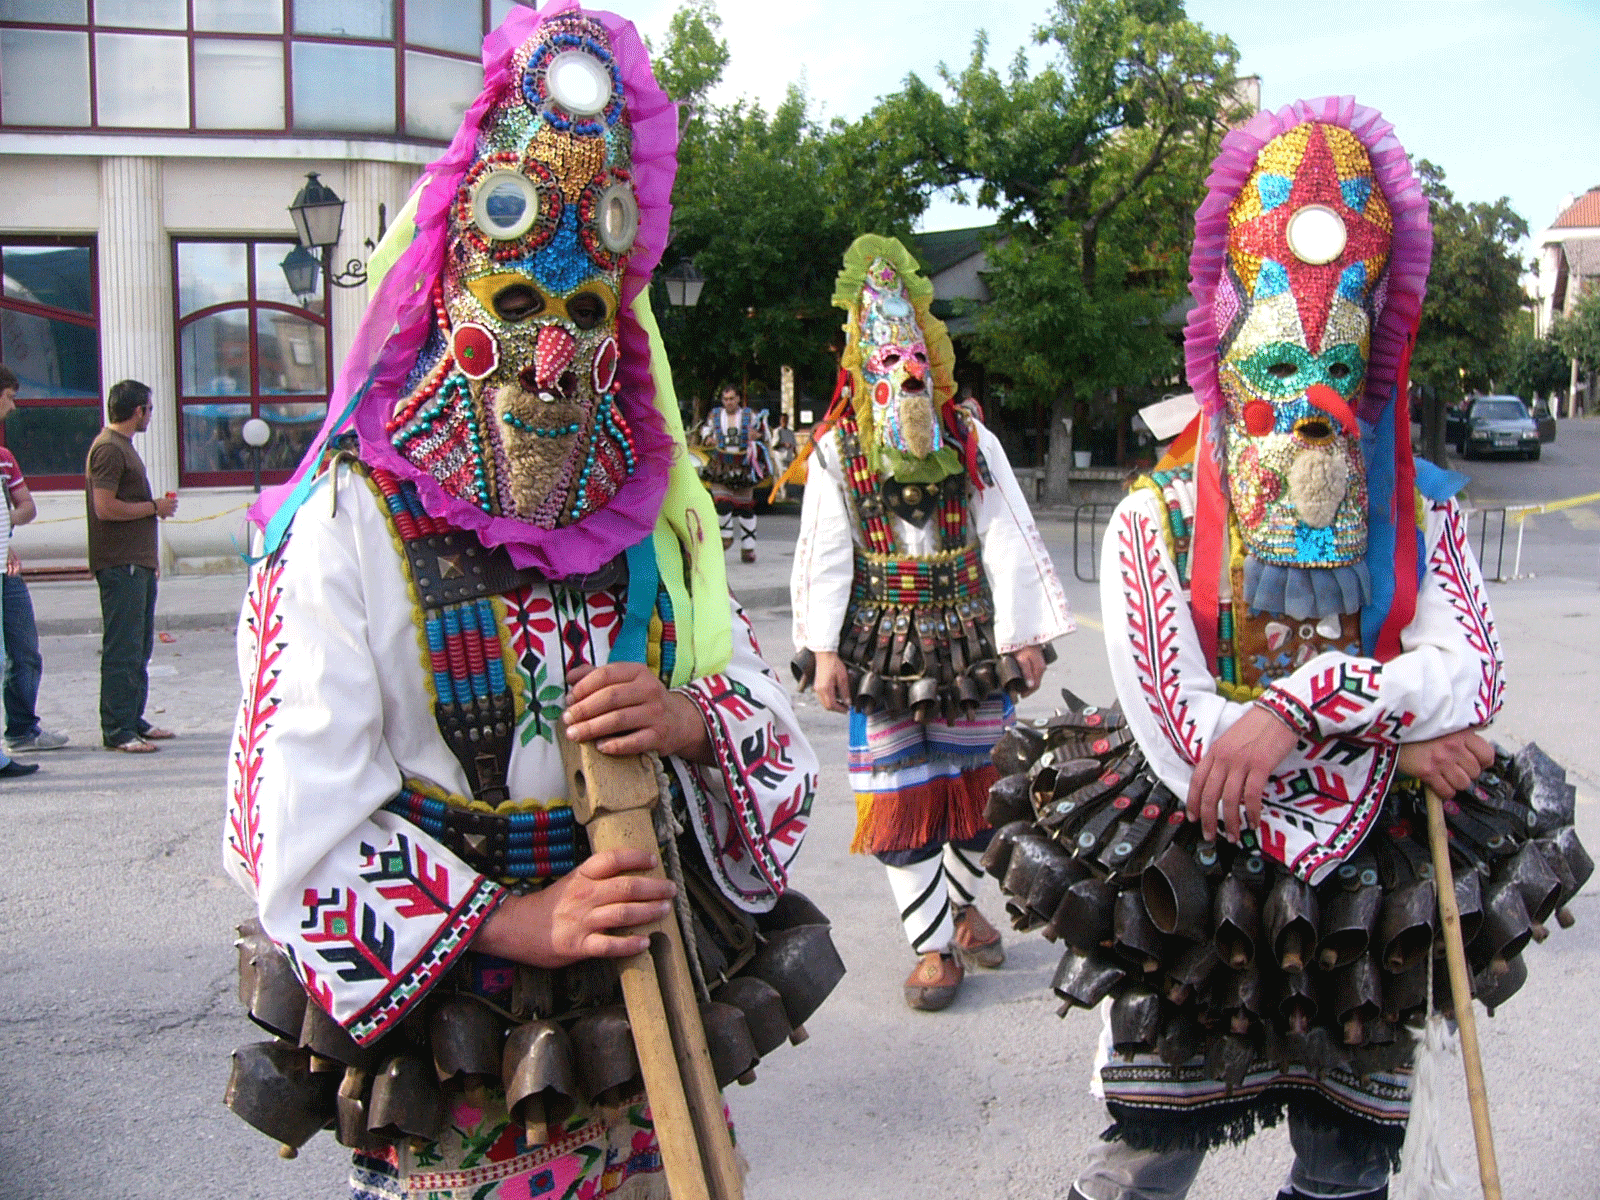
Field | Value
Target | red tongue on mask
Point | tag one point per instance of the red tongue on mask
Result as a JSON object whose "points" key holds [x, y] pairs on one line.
{"points": [[1330, 402], [552, 355]]}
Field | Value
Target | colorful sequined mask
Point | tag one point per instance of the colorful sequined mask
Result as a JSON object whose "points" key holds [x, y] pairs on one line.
{"points": [[894, 364], [1308, 245], [512, 402]]}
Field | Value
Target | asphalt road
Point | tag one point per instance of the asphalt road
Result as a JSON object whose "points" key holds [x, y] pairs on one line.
{"points": [[118, 1010]]}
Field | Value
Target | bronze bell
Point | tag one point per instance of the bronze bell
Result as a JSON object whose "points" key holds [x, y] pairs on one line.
{"points": [[540, 1080], [1137, 938], [1085, 979], [986, 677], [277, 1001], [763, 1010], [923, 699], [996, 858], [1135, 1021], [1085, 915], [271, 1085], [406, 1101], [804, 668], [791, 909], [1494, 986], [1236, 922], [253, 946], [1008, 801], [326, 1038], [608, 1064], [1469, 903], [803, 966], [1349, 919], [1010, 677], [1290, 917], [1297, 1003], [733, 1053], [1030, 851], [869, 692], [1018, 748], [350, 1111], [1055, 875], [1176, 895], [1229, 1059], [467, 1039], [1357, 998], [1191, 970], [1405, 924], [969, 694], [1182, 1038], [1405, 994], [1506, 928], [1538, 883]]}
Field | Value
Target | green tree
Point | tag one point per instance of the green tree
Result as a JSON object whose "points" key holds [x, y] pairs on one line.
{"points": [[1535, 366], [1474, 297], [1095, 163], [1578, 335]]}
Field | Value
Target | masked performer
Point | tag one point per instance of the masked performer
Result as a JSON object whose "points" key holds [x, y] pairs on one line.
{"points": [[500, 547], [924, 601], [1299, 638], [738, 458]]}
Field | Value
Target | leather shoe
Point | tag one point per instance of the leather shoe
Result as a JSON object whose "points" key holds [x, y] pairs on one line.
{"points": [[976, 941], [934, 982], [15, 770]]}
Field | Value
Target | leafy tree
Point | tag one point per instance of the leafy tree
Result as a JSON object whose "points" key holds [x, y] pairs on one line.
{"points": [[1468, 318], [1578, 333], [1535, 366], [1096, 164]]}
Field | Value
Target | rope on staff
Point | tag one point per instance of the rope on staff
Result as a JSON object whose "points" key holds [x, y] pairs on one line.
{"points": [[1461, 993]]}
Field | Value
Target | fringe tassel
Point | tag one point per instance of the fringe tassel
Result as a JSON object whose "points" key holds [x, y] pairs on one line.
{"points": [[1425, 1174], [945, 810]]}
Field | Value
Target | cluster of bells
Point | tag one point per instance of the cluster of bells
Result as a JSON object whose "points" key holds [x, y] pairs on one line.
{"points": [[1213, 950], [313, 1075]]}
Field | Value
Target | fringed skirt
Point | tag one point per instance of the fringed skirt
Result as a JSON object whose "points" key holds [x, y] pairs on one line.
{"points": [[920, 785]]}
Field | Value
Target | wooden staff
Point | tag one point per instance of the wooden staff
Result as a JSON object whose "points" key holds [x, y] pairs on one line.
{"points": [[1461, 990], [613, 798]]}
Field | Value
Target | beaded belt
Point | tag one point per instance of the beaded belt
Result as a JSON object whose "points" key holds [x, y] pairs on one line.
{"points": [[511, 848], [944, 578]]}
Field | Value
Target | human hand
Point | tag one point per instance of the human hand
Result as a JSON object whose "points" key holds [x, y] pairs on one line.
{"points": [[623, 708], [1447, 764], [13, 563], [166, 506], [576, 917], [1234, 772], [1031, 660], [832, 682]]}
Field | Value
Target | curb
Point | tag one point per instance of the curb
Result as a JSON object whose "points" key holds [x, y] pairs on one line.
{"points": [[77, 626]]}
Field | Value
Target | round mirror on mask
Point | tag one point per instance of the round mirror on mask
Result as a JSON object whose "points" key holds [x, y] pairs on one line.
{"points": [[618, 218], [579, 82], [505, 204], [1316, 234]]}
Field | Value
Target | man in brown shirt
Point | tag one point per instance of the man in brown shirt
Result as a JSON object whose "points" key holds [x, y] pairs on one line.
{"points": [[122, 518]]}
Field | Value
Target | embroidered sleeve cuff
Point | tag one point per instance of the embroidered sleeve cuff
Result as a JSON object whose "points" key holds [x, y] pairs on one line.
{"points": [[1287, 708]]}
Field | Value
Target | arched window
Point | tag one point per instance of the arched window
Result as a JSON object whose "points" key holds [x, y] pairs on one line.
{"points": [[246, 348]]}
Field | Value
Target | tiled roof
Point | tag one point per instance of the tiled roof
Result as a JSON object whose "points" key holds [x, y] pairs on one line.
{"points": [[950, 246], [1584, 212]]}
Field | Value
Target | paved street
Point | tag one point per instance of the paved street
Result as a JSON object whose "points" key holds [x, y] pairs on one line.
{"points": [[117, 990]]}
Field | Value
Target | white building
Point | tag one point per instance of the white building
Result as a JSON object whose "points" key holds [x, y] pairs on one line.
{"points": [[148, 152]]}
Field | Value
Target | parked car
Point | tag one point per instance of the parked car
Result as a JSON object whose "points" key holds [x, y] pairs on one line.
{"points": [[1497, 425], [1545, 420]]}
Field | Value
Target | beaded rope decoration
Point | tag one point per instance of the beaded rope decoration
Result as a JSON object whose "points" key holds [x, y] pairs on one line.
{"points": [[511, 848]]}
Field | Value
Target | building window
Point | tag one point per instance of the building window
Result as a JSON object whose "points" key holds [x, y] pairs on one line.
{"points": [[397, 68], [246, 348], [49, 335]]}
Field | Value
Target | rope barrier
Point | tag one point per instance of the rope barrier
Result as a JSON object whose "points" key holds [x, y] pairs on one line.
{"points": [[227, 512]]}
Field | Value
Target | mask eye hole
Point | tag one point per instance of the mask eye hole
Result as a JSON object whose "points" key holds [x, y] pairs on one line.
{"points": [[517, 302], [1283, 370], [891, 359], [586, 310], [1339, 371]]}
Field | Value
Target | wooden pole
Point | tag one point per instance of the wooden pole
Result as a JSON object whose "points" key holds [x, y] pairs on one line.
{"points": [[613, 799], [1461, 991]]}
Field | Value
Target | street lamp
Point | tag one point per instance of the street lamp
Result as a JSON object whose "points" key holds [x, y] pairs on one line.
{"points": [[300, 268], [256, 433], [684, 284], [318, 215]]}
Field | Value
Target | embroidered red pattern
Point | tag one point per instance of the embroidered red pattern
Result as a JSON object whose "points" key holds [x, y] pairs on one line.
{"points": [[244, 804], [1153, 602], [1462, 585]]}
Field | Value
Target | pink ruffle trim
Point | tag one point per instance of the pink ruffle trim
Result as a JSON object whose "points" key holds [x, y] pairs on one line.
{"points": [[399, 317], [1411, 253]]}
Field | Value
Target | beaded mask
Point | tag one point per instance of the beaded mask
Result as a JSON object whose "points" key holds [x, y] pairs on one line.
{"points": [[512, 403], [1308, 244], [894, 364]]}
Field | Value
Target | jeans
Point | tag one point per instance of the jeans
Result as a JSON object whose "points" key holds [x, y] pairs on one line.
{"points": [[1328, 1162], [24, 666], [128, 618]]}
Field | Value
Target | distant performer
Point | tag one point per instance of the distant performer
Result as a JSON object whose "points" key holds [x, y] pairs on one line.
{"points": [[735, 438], [924, 603]]}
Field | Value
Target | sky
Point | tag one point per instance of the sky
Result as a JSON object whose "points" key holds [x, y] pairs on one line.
{"points": [[1502, 94]]}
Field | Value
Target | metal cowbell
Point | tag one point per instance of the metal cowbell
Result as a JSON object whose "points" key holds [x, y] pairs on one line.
{"points": [[1176, 895], [271, 1085], [803, 966], [763, 1010], [467, 1038], [540, 1079], [326, 1038], [1290, 917], [406, 1101], [733, 1052]]}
